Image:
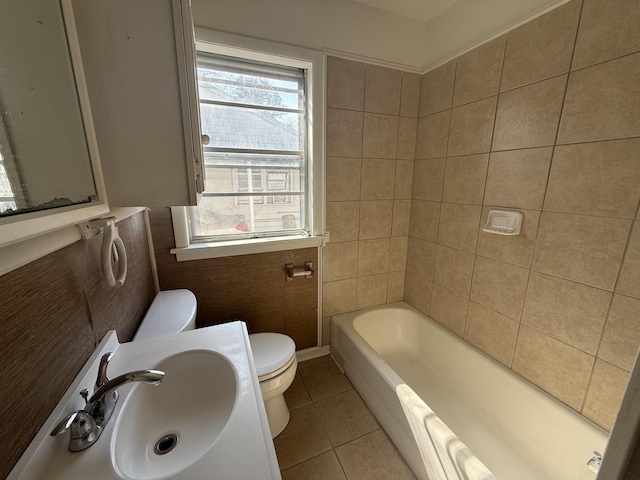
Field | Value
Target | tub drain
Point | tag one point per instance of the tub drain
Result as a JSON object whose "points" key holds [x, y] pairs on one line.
{"points": [[165, 444]]}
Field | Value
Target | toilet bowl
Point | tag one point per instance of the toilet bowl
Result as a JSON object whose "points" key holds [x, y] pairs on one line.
{"points": [[274, 354]]}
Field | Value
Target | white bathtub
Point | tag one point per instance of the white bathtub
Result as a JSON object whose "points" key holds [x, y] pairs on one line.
{"points": [[516, 429]]}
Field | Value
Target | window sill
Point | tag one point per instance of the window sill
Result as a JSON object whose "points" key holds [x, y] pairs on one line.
{"points": [[231, 248]]}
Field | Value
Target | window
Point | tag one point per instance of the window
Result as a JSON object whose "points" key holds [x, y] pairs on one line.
{"points": [[262, 106], [255, 116]]}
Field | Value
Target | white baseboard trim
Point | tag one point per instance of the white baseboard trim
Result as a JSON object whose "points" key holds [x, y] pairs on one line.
{"points": [[313, 352]]}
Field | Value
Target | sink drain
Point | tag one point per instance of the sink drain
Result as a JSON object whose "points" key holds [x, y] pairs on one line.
{"points": [[165, 444]]}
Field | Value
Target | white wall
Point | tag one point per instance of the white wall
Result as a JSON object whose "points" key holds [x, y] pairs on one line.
{"points": [[334, 24]]}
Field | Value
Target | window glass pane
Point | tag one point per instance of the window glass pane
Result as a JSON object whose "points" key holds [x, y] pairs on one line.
{"points": [[247, 128], [241, 216], [248, 89]]}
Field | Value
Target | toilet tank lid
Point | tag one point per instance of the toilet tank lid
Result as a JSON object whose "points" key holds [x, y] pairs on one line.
{"points": [[171, 311], [271, 351]]}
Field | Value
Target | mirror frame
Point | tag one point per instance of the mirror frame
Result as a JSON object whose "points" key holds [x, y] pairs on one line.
{"points": [[28, 225]]}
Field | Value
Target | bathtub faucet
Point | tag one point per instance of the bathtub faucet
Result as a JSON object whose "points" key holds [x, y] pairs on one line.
{"points": [[86, 425]]}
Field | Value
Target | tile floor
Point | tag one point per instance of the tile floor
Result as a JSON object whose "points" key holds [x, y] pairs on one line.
{"points": [[332, 435]]}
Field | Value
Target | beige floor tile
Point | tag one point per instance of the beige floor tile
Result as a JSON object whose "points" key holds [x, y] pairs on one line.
{"points": [[372, 457], [314, 361], [322, 467], [302, 439], [296, 395], [324, 380], [345, 417]]}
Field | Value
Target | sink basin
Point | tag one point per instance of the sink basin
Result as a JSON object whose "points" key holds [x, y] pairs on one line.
{"points": [[163, 430]]}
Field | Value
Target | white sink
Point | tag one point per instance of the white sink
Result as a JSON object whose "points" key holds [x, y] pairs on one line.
{"points": [[163, 430], [209, 399]]}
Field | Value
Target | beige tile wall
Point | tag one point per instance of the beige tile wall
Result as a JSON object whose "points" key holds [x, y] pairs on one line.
{"points": [[544, 120], [371, 138]]}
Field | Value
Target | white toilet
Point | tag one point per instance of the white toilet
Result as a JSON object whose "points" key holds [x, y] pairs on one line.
{"points": [[274, 354]]}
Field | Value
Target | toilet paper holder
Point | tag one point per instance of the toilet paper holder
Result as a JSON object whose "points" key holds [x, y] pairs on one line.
{"points": [[307, 271]]}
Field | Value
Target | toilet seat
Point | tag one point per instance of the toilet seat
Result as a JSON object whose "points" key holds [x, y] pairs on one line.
{"points": [[273, 353]]}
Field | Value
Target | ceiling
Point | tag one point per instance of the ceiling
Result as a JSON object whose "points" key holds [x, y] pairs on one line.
{"points": [[423, 10]]}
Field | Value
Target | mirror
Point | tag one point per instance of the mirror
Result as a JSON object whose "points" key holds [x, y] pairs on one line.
{"points": [[48, 156]]}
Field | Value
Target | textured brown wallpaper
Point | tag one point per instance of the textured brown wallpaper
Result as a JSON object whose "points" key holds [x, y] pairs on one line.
{"points": [[53, 312], [247, 287]]}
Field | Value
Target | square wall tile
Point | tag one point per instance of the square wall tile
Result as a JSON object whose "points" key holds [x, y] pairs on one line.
{"points": [[395, 292], [449, 309], [382, 90], [424, 220], [472, 127], [433, 133], [380, 138], [629, 280], [343, 179], [541, 48], [345, 84], [401, 216], [453, 269], [602, 102], [436, 92], [375, 219], [583, 249], [518, 178], [340, 261], [410, 100], [421, 257], [478, 72], [344, 133], [417, 292], [339, 297], [604, 396], [404, 179], [343, 220], [407, 134], [514, 249], [499, 286], [458, 226], [398, 253], [464, 179], [528, 116], [373, 256], [378, 179], [607, 30], [621, 335], [372, 290], [570, 312], [601, 178], [428, 179], [491, 332], [556, 367]]}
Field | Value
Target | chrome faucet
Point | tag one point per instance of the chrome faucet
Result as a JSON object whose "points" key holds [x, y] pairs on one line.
{"points": [[86, 425]]}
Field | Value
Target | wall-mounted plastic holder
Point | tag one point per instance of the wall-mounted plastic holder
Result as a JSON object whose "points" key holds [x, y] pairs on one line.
{"points": [[503, 222]]}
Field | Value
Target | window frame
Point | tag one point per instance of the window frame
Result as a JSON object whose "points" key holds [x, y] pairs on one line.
{"points": [[211, 41]]}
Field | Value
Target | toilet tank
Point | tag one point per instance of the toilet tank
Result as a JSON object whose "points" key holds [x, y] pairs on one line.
{"points": [[171, 311]]}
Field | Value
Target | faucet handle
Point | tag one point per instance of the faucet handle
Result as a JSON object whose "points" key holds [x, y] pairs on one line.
{"points": [[102, 370]]}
